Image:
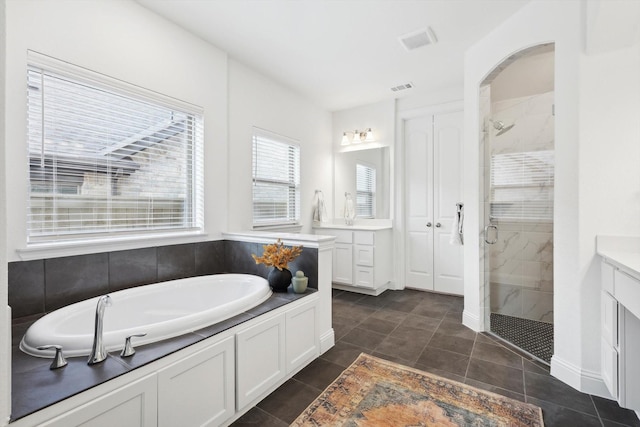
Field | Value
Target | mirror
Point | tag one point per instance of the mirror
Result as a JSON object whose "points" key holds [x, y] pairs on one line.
{"points": [[377, 159]]}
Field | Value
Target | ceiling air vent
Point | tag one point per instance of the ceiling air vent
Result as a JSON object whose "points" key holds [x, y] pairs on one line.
{"points": [[402, 87], [418, 39]]}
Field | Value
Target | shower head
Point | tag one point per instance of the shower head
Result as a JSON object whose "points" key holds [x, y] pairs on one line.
{"points": [[500, 126]]}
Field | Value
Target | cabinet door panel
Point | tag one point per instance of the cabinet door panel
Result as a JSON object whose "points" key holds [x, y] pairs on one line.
{"points": [[609, 362], [132, 406], [198, 390], [343, 263], [302, 342], [609, 310], [260, 361]]}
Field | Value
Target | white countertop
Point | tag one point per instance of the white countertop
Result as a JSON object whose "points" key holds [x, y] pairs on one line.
{"points": [[309, 240], [622, 251], [365, 225]]}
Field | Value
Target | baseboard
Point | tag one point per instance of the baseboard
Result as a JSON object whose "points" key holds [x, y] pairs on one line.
{"points": [[582, 380], [471, 321], [358, 290], [327, 340]]}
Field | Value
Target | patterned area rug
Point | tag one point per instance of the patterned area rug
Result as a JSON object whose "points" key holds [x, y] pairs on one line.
{"points": [[375, 392]]}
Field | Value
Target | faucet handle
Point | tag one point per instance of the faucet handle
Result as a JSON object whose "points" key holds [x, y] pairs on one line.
{"points": [[58, 360], [128, 349]]}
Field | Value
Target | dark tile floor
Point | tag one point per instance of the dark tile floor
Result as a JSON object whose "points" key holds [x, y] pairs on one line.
{"points": [[424, 330]]}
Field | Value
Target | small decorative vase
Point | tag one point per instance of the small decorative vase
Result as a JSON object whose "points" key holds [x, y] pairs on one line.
{"points": [[279, 280], [299, 282]]}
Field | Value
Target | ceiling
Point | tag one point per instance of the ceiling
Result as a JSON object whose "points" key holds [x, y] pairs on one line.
{"points": [[343, 53]]}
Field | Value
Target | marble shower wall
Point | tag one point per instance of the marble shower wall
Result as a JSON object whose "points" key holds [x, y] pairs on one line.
{"points": [[521, 262]]}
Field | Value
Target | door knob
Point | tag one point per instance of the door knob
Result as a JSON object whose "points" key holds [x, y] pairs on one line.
{"points": [[438, 225], [428, 224]]}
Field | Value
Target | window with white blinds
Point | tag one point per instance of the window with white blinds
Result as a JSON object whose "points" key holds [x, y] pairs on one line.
{"points": [[106, 162], [522, 186], [276, 179], [365, 191]]}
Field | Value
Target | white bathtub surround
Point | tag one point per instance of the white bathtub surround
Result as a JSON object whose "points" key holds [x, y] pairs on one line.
{"points": [[209, 377], [161, 311], [324, 245]]}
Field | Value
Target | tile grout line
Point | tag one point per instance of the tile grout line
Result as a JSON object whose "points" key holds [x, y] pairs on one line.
{"points": [[597, 411], [475, 339]]}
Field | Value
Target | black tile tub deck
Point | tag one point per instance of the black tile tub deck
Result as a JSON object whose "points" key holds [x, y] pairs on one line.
{"points": [[424, 330], [35, 386]]}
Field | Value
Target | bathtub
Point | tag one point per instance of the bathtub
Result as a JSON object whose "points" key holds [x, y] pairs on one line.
{"points": [[161, 310]]}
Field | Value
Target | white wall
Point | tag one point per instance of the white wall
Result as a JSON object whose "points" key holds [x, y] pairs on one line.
{"points": [[254, 100], [5, 314], [536, 23], [597, 175], [530, 75], [421, 99], [380, 117], [125, 41]]}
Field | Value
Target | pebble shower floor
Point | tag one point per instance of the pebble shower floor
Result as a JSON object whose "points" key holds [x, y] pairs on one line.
{"points": [[531, 336]]}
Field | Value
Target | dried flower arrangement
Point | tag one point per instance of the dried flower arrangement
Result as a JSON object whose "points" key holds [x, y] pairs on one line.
{"points": [[277, 255]]}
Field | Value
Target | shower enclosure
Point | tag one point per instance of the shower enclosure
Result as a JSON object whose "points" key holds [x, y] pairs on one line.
{"points": [[518, 165]]}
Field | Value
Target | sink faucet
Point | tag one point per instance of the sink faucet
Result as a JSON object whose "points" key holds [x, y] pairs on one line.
{"points": [[98, 353]]}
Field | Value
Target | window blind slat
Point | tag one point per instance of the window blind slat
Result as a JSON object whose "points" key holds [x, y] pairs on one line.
{"points": [[365, 191], [522, 186], [276, 179], [103, 162]]}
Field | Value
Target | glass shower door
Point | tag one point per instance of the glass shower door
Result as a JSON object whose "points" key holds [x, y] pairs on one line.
{"points": [[519, 231]]}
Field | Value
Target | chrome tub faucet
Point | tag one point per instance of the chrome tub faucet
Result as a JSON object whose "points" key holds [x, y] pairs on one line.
{"points": [[98, 353]]}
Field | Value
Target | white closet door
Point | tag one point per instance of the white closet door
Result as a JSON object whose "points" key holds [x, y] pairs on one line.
{"points": [[419, 202], [447, 189]]}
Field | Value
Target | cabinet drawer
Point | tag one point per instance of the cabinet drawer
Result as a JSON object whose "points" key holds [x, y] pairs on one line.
{"points": [[364, 277], [609, 310], [606, 274], [363, 255], [342, 236], [627, 292], [364, 238]]}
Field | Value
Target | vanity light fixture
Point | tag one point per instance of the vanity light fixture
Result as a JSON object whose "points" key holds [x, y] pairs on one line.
{"points": [[358, 137], [345, 139]]}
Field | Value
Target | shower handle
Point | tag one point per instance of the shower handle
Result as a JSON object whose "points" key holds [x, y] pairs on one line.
{"points": [[486, 234]]}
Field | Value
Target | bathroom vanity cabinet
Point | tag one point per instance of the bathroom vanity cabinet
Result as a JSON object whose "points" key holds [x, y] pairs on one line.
{"points": [[362, 258], [209, 383], [620, 325]]}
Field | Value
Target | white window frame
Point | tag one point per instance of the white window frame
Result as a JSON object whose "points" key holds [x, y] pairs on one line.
{"points": [[260, 219], [366, 210], [194, 225]]}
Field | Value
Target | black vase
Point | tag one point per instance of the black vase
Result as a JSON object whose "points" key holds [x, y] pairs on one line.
{"points": [[279, 280]]}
